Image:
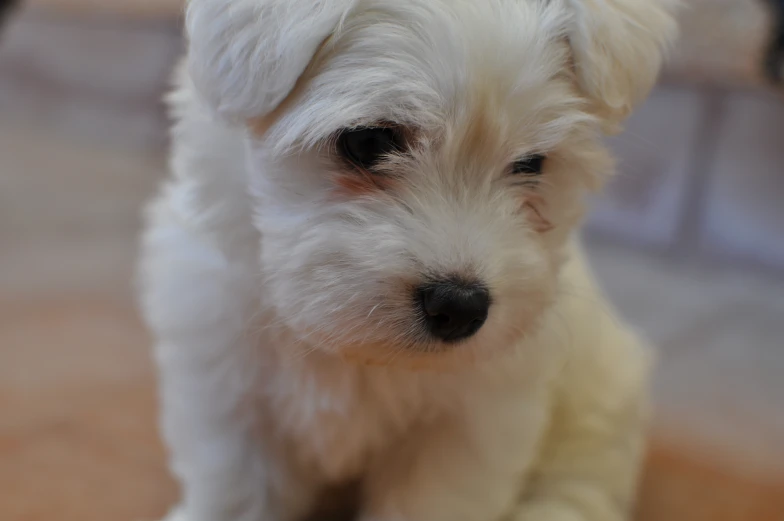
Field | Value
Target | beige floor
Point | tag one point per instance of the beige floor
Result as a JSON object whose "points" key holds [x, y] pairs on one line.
{"points": [[77, 435]]}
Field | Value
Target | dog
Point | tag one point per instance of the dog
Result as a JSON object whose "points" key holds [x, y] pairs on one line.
{"points": [[363, 267]]}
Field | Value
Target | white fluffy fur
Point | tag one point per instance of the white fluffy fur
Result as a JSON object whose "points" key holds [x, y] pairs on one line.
{"points": [[281, 304]]}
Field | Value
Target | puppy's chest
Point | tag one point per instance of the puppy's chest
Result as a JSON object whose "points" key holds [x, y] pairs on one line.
{"points": [[336, 417]]}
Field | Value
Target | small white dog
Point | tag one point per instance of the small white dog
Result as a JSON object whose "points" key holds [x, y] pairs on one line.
{"points": [[362, 269]]}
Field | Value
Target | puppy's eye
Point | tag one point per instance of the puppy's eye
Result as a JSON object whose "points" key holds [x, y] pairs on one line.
{"points": [[366, 146], [529, 166]]}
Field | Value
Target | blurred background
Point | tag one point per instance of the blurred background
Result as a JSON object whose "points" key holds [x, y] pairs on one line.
{"points": [[688, 241]]}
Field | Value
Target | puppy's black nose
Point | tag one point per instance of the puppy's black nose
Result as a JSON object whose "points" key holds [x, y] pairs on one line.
{"points": [[454, 311]]}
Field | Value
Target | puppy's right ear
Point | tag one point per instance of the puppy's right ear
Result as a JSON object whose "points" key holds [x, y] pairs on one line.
{"points": [[618, 47], [245, 56]]}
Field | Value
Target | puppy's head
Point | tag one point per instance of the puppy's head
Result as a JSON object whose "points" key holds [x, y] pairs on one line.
{"points": [[417, 166]]}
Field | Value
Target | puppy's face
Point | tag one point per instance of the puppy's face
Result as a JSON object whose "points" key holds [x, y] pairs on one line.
{"points": [[416, 180]]}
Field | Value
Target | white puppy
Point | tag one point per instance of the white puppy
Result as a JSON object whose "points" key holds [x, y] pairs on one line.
{"points": [[362, 268]]}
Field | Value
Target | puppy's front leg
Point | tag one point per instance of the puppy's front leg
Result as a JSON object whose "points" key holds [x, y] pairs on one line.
{"points": [[458, 469], [588, 470], [590, 477]]}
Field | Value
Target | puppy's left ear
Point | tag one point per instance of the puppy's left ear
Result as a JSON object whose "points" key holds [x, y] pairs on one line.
{"points": [[245, 56], [618, 48]]}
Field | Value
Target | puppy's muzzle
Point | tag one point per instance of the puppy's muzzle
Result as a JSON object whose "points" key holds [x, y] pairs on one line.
{"points": [[452, 310]]}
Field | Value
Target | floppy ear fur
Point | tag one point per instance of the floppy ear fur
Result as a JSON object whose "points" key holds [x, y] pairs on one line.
{"points": [[618, 48], [245, 56]]}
